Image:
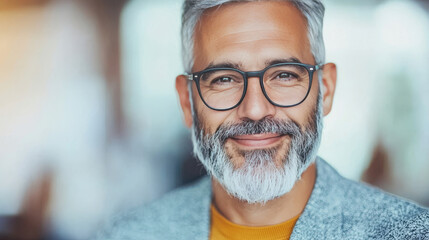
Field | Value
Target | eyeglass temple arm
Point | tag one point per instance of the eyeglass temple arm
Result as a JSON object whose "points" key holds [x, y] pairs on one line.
{"points": [[319, 66], [189, 76]]}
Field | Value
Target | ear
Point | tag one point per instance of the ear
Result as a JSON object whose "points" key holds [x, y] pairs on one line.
{"points": [[329, 82], [183, 92]]}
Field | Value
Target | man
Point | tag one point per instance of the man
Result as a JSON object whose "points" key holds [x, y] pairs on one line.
{"points": [[256, 90]]}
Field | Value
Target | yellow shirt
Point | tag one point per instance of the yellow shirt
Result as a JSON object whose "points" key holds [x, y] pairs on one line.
{"points": [[222, 228]]}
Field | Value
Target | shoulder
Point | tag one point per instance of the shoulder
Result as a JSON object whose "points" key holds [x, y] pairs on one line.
{"points": [[373, 211], [178, 210], [383, 213]]}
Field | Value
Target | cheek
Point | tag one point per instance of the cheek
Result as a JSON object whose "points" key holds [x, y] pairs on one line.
{"points": [[301, 113], [210, 119]]}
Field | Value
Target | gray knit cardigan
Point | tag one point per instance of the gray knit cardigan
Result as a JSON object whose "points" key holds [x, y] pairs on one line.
{"points": [[337, 209]]}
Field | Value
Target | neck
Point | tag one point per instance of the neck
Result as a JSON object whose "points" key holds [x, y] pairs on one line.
{"points": [[273, 212]]}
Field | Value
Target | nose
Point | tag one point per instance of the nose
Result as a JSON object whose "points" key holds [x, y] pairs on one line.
{"points": [[255, 105]]}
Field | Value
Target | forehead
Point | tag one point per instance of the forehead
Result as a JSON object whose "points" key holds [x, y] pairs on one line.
{"points": [[260, 30]]}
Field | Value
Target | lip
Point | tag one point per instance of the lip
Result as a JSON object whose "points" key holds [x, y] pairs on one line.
{"points": [[257, 140]]}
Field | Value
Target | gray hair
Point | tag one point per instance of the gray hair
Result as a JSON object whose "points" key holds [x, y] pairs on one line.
{"points": [[313, 11]]}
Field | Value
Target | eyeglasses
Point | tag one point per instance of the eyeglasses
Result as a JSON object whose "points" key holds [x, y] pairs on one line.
{"points": [[283, 84]]}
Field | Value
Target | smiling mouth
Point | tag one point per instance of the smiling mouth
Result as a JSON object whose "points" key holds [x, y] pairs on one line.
{"points": [[257, 141]]}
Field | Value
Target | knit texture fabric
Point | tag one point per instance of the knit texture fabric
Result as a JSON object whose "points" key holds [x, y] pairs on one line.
{"points": [[338, 208]]}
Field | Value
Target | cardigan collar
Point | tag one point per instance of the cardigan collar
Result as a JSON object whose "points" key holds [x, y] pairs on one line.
{"points": [[322, 208]]}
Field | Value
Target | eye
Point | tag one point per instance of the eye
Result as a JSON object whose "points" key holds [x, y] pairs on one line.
{"points": [[286, 76], [223, 80]]}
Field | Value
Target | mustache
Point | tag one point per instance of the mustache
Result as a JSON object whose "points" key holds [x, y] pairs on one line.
{"points": [[263, 126]]}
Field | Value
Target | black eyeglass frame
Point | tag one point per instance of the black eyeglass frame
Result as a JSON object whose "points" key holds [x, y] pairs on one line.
{"points": [[311, 69]]}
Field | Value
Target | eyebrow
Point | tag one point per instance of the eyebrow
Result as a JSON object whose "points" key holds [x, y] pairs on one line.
{"points": [[283, 60], [239, 65], [225, 65]]}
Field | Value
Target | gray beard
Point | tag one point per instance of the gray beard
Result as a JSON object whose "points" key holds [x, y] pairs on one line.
{"points": [[259, 180]]}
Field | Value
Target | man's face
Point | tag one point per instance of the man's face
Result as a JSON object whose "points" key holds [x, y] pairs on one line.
{"points": [[251, 35]]}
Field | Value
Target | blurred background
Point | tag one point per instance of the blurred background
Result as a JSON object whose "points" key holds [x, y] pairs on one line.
{"points": [[90, 124]]}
